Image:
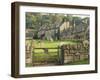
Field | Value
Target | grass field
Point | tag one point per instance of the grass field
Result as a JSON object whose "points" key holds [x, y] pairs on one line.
{"points": [[49, 44], [85, 61]]}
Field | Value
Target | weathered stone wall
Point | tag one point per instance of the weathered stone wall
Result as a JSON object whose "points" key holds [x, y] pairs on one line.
{"points": [[74, 52]]}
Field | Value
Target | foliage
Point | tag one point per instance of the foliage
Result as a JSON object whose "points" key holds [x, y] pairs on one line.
{"points": [[49, 24]]}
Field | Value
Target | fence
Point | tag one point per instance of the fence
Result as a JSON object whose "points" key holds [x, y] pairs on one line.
{"points": [[41, 56], [57, 56], [45, 56]]}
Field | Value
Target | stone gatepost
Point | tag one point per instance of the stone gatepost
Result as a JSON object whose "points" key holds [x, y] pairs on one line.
{"points": [[28, 55]]}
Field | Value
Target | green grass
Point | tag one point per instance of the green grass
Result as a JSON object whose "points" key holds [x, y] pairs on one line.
{"points": [[85, 61], [28, 65], [41, 56], [49, 44], [42, 51], [45, 58]]}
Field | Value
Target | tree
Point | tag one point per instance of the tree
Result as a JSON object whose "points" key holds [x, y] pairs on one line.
{"points": [[30, 20]]}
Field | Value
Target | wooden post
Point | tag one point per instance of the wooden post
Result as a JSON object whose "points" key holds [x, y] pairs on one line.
{"points": [[59, 54], [62, 56]]}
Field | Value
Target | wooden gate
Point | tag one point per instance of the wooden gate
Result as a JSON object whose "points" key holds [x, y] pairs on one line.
{"points": [[45, 56]]}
